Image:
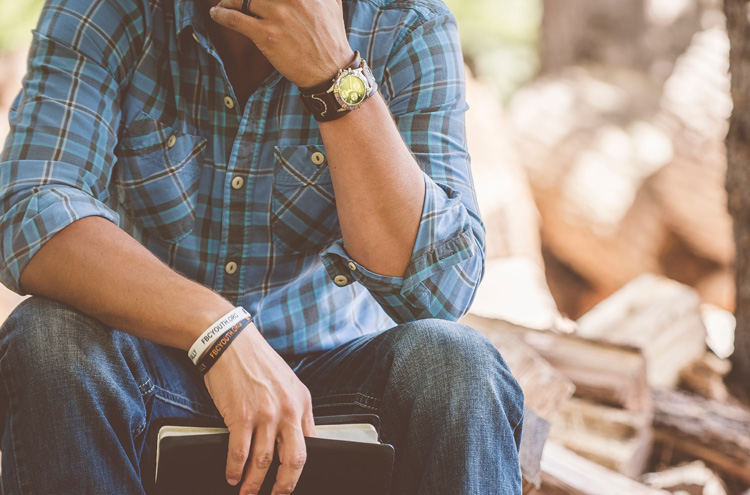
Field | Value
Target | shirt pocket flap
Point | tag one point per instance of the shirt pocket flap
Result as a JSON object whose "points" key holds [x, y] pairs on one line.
{"points": [[303, 206], [158, 177]]}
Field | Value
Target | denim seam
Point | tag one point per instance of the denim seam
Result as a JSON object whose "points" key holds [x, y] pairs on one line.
{"points": [[143, 385]]}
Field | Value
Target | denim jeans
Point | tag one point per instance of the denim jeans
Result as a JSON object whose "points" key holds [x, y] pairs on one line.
{"points": [[77, 399]]}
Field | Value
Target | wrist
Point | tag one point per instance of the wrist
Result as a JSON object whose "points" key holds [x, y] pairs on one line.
{"points": [[215, 331], [217, 347], [324, 76]]}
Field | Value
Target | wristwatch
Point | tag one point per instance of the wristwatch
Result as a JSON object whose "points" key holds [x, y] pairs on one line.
{"points": [[346, 92]]}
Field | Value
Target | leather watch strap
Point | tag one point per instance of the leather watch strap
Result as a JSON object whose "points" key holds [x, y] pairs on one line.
{"points": [[321, 100]]}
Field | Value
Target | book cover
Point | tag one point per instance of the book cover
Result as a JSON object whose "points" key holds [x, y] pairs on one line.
{"points": [[191, 459]]}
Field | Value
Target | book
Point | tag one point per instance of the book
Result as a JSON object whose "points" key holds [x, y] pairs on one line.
{"points": [[346, 457]]}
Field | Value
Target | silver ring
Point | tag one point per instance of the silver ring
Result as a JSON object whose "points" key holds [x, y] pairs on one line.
{"points": [[246, 7]]}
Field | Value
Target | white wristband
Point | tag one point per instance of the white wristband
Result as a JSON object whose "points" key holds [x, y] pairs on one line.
{"points": [[214, 331]]}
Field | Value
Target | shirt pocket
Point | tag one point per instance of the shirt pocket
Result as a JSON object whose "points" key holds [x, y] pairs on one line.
{"points": [[303, 207], [158, 177]]}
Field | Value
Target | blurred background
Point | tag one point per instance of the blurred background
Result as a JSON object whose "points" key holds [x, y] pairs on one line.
{"points": [[597, 134]]}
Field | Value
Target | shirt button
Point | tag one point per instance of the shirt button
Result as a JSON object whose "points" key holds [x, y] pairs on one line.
{"points": [[340, 280], [195, 37], [318, 158], [229, 102], [171, 141], [231, 268], [352, 266], [238, 182]]}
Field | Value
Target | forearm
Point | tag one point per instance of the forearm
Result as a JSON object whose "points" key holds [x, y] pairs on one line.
{"points": [[378, 185], [97, 268]]}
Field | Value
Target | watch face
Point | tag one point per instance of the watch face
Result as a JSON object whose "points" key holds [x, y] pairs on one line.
{"points": [[352, 90]]}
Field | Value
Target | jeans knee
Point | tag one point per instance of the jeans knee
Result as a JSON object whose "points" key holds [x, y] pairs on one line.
{"points": [[47, 341], [453, 362]]}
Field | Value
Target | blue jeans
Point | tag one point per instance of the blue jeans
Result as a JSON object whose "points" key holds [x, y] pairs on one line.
{"points": [[77, 400]]}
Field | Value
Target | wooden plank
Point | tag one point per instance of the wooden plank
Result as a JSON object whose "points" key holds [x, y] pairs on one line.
{"points": [[705, 377], [535, 434], [616, 438], [716, 433], [660, 317], [607, 373], [693, 478], [567, 473]]}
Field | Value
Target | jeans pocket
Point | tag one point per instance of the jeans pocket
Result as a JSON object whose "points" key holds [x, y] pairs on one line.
{"points": [[158, 176], [303, 207]]}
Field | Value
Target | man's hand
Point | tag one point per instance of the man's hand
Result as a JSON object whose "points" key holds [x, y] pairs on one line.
{"points": [[304, 39], [263, 404]]}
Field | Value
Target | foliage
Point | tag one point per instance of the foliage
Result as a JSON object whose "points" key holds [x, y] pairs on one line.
{"points": [[500, 39], [17, 19]]}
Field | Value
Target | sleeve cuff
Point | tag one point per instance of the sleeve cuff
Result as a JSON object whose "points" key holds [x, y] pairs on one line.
{"points": [[44, 215], [444, 239]]}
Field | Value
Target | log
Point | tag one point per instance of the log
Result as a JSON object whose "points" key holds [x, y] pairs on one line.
{"points": [[615, 438], [705, 377], [605, 373], [567, 473], [718, 434], [693, 478], [535, 434], [660, 317]]}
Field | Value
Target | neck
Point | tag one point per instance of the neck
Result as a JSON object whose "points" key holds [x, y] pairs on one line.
{"points": [[245, 65]]}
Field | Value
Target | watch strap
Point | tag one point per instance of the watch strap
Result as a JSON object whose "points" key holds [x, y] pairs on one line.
{"points": [[321, 100]]}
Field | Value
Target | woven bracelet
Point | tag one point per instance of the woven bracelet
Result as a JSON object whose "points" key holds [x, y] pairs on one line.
{"points": [[219, 345]]}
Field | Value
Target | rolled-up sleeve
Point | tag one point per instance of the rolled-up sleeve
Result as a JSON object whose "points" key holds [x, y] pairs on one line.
{"points": [[57, 161], [424, 84]]}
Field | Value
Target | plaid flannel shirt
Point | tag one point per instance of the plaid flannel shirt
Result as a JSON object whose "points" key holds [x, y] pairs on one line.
{"points": [[127, 114]]}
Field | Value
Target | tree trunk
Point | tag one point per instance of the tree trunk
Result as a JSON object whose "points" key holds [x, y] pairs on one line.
{"points": [[738, 182]]}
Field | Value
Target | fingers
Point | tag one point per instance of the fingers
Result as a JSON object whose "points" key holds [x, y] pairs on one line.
{"points": [[292, 454], [257, 7], [235, 20], [260, 460], [239, 449], [308, 423]]}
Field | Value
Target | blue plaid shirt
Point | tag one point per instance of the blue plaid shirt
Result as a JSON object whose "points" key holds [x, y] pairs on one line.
{"points": [[127, 114]]}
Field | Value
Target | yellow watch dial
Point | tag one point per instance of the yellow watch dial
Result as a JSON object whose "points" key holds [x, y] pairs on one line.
{"points": [[352, 90]]}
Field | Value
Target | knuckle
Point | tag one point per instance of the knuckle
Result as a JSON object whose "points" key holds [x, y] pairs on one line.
{"points": [[298, 460], [285, 488], [263, 460], [251, 487], [239, 454], [266, 416]]}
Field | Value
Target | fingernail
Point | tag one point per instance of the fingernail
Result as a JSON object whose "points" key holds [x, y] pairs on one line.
{"points": [[232, 481], [213, 11]]}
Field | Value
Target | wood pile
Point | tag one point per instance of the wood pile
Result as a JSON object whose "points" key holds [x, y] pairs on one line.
{"points": [[627, 428], [611, 166]]}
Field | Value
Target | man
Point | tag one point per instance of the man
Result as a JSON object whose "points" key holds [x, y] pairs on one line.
{"points": [[181, 122]]}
